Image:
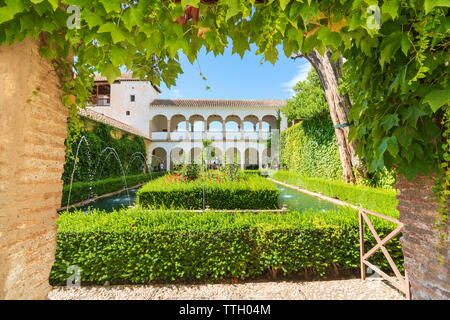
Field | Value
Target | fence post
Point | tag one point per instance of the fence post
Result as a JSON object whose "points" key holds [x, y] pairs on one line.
{"points": [[361, 244]]}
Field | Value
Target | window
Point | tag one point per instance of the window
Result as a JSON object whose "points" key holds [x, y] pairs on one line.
{"points": [[127, 113], [132, 98]]}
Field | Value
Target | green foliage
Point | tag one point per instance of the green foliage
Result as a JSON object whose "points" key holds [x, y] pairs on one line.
{"points": [[309, 148], [399, 89], [172, 191], [379, 200], [135, 246], [84, 190], [309, 100], [231, 171], [92, 164], [190, 171], [397, 70]]}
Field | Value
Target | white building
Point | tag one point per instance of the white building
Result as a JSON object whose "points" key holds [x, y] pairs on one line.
{"points": [[238, 129]]}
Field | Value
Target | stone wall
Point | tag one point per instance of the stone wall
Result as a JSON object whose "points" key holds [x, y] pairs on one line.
{"points": [[428, 278], [32, 135]]}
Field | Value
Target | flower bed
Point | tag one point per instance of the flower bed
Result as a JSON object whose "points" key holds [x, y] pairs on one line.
{"points": [[214, 189], [135, 246]]}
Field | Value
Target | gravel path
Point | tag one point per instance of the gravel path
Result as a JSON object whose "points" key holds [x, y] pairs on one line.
{"points": [[353, 289]]}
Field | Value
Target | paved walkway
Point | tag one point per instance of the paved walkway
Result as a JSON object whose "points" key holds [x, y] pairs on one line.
{"points": [[353, 289]]}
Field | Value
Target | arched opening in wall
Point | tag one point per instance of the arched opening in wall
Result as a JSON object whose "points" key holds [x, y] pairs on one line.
{"points": [[214, 157], [269, 123], [195, 155], [266, 157], [250, 123], [232, 123], [159, 123], [196, 123], [251, 159], [177, 158], [214, 123], [158, 156], [178, 123], [232, 155]]}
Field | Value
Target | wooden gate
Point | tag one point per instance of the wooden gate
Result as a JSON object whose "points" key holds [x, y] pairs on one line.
{"points": [[399, 281]]}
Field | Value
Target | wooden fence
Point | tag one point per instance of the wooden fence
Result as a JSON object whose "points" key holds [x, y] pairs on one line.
{"points": [[399, 281]]}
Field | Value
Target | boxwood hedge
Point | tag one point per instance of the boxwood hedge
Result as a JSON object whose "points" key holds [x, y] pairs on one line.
{"points": [[136, 246], [254, 192]]}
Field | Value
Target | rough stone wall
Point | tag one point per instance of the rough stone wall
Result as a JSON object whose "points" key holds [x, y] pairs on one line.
{"points": [[32, 135], [428, 278]]}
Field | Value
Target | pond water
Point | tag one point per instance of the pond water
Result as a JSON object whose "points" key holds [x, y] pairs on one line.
{"points": [[108, 204], [293, 199], [296, 200]]}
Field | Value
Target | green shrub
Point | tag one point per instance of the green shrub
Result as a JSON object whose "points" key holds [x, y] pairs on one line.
{"points": [[84, 190], [190, 171], [135, 246], [379, 200], [309, 148], [253, 192]]}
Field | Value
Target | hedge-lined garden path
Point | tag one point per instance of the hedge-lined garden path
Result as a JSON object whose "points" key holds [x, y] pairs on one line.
{"points": [[353, 289]]}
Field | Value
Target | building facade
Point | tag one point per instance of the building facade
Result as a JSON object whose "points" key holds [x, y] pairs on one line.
{"points": [[241, 131]]}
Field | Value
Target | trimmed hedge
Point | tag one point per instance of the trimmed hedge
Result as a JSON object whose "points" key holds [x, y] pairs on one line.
{"points": [[82, 190], [309, 148], [135, 246], [380, 200], [254, 192]]}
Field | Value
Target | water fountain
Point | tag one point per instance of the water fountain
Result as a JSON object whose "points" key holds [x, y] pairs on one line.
{"points": [[93, 173]]}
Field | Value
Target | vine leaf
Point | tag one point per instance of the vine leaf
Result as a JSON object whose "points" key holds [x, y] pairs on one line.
{"points": [[430, 4], [437, 98], [10, 10]]}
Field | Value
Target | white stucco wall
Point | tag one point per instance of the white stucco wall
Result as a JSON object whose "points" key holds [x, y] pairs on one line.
{"points": [[121, 103]]}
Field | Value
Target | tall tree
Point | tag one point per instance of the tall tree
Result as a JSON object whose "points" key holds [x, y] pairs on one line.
{"points": [[329, 73], [309, 100]]}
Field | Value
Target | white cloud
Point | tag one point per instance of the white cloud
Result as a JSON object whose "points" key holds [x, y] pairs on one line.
{"points": [[175, 94], [302, 72]]}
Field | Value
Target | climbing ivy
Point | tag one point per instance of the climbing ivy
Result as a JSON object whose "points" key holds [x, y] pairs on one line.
{"points": [[93, 162]]}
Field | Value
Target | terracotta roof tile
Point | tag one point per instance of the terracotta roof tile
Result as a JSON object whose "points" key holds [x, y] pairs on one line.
{"points": [[196, 103], [100, 117]]}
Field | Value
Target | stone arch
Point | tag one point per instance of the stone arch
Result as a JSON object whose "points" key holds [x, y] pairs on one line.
{"points": [[233, 122], [251, 123], [158, 155], [233, 153], [214, 156], [216, 120], [197, 123], [251, 158], [177, 157], [269, 122], [195, 154], [178, 123], [159, 123], [266, 156]]}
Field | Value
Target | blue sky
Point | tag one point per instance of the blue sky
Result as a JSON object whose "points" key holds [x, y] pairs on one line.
{"points": [[231, 77]]}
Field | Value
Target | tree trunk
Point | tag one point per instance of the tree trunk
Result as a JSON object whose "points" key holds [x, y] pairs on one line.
{"points": [[339, 105]]}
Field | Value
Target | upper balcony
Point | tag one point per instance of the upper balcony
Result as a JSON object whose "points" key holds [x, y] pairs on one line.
{"points": [[210, 135], [213, 127], [101, 95]]}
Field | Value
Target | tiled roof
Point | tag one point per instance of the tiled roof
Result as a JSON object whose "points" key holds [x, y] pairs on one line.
{"points": [[100, 117], [124, 77], [196, 103]]}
